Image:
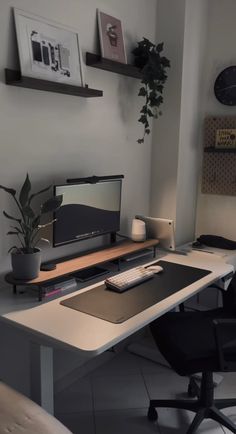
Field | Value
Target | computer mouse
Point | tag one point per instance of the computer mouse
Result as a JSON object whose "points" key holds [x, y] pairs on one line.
{"points": [[155, 268]]}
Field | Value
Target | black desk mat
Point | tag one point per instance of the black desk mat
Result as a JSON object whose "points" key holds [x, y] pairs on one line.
{"points": [[117, 308]]}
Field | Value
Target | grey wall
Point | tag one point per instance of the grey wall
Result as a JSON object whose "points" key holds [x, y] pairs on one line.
{"points": [[196, 15], [216, 214], [182, 27], [55, 136], [166, 128]]}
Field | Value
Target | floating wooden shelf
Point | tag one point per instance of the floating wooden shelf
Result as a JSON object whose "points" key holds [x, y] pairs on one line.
{"points": [[14, 78], [99, 62], [216, 150], [86, 261]]}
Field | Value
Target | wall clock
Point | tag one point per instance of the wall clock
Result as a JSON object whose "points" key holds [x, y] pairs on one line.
{"points": [[225, 86]]}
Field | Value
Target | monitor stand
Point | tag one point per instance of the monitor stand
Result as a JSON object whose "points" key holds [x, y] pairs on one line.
{"points": [[89, 273]]}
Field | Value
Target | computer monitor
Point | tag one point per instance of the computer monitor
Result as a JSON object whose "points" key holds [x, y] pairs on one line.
{"points": [[88, 210]]}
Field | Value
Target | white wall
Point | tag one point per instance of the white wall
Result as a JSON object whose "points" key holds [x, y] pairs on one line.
{"points": [[170, 29], [55, 136], [196, 14], [181, 25], [216, 214]]}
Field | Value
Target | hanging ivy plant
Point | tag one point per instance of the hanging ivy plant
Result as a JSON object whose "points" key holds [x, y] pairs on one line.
{"points": [[153, 66]]}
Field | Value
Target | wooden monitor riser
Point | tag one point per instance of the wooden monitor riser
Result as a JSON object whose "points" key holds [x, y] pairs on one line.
{"points": [[86, 261]]}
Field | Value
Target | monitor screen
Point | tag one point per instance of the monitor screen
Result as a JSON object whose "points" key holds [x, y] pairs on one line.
{"points": [[87, 210]]}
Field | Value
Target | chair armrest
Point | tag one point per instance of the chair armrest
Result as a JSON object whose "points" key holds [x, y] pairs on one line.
{"points": [[224, 279], [217, 287], [225, 338]]}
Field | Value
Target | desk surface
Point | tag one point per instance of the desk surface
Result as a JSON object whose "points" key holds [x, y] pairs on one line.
{"points": [[57, 325]]}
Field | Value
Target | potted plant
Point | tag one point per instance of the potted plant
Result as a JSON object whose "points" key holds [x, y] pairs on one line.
{"points": [[153, 66], [26, 226]]}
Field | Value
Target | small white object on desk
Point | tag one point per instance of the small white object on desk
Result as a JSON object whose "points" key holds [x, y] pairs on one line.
{"points": [[155, 268], [138, 231]]}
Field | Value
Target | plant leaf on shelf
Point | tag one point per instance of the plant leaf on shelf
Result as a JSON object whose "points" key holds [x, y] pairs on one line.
{"points": [[24, 193], [19, 231], [38, 193], [52, 204], [36, 222], [10, 217], [15, 248], [8, 190], [28, 212], [29, 223]]}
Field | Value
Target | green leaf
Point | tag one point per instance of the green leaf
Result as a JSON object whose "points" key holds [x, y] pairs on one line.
{"points": [[155, 101], [39, 192], [142, 119], [150, 114], [36, 222], [8, 190], [12, 233], [165, 62], [19, 231], [27, 210], [159, 88], [147, 131], [52, 204], [144, 110], [24, 193], [142, 91], [140, 140], [14, 248], [10, 217]]}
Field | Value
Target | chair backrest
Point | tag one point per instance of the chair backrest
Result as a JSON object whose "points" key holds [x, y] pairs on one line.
{"points": [[229, 296]]}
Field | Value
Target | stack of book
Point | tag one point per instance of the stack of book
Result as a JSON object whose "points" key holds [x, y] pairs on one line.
{"points": [[59, 286]]}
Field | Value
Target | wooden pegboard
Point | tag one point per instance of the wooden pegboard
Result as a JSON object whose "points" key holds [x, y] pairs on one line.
{"points": [[219, 168]]}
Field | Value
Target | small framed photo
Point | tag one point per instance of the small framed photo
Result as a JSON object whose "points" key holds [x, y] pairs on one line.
{"points": [[111, 38], [48, 50]]}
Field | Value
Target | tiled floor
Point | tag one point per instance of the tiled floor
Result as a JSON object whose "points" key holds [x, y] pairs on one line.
{"points": [[114, 400]]}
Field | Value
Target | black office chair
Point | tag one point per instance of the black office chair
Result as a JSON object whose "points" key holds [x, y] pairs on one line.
{"points": [[199, 342]]}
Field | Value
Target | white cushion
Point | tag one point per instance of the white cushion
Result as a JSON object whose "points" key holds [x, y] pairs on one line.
{"points": [[20, 415]]}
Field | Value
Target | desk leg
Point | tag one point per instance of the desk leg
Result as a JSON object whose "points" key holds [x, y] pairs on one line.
{"points": [[41, 376]]}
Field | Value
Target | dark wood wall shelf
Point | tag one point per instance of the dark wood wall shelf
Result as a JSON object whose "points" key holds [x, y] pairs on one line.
{"points": [[14, 78], [217, 150], [99, 62]]}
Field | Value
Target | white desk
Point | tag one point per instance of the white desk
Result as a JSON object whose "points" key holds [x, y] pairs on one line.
{"points": [[53, 325]]}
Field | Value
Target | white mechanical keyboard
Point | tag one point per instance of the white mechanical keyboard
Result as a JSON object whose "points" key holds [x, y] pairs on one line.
{"points": [[127, 279]]}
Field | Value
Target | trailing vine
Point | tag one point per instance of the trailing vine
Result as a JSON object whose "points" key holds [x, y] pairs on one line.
{"points": [[153, 66]]}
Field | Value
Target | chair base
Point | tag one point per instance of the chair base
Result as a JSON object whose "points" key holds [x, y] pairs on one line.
{"points": [[205, 406]]}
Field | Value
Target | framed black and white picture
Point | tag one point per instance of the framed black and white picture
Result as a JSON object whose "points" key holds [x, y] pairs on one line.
{"points": [[48, 50], [111, 37]]}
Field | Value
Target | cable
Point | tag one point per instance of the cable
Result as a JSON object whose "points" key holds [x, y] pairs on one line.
{"points": [[122, 236]]}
